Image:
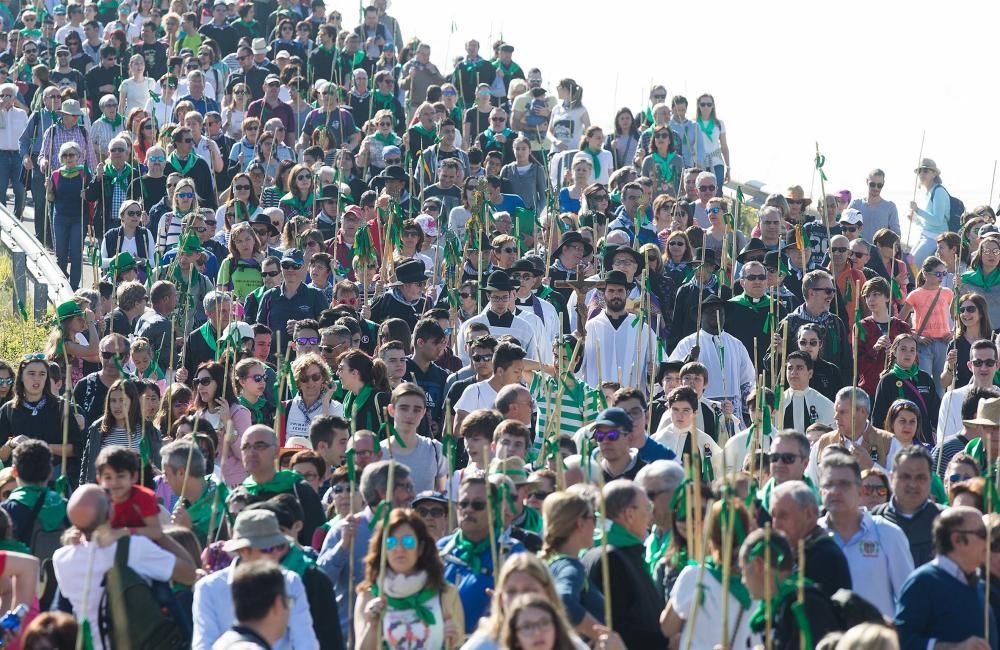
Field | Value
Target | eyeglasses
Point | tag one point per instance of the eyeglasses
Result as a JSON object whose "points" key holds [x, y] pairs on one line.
{"points": [[706, 188], [409, 542], [979, 363], [133, 213], [756, 277], [311, 378], [105, 354], [856, 255], [827, 290], [257, 446], [307, 340], [537, 626], [478, 506], [290, 266], [498, 119], [435, 513], [875, 490], [969, 309], [875, 186], [203, 381], [480, 358], [610, 436], [838, 249], [990, 251], [784, 458], [540, 495], [156, 159], [706, 104]]}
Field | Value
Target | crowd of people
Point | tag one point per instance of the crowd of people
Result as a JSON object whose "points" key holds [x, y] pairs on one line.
{"points": [[366, 353]]}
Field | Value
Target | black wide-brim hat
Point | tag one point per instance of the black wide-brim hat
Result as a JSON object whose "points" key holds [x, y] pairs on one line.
{"points": [[572, 237], [612, 250]]}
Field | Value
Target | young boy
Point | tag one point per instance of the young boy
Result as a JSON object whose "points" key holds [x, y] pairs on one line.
{"points": [[134, 507], [423, 456], [511, 440], [306, 337], [738, 447], [477, 434]]}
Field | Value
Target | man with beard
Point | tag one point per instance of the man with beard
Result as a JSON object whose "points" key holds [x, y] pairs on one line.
{"points": [[622, 340]]}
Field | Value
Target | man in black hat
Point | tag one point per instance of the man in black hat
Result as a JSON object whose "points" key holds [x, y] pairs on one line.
{"points": [[616, 258], [291, 301], [528, 277], [405, 298], [751, 316], [617, 346], [394, 182], [499, 315], [478, 258], [703, 283], [731, 374], [326, 220], [566, 257]]}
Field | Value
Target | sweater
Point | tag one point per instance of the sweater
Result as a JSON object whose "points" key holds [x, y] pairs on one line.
{"points": [[918, 528], [530, 185]]}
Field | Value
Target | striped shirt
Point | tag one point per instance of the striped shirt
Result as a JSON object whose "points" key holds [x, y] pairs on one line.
{"points": [[579, 404], [56, 136], [118, 436]]}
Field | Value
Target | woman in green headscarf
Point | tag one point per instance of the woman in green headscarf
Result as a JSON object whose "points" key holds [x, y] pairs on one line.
{"points": [[367, 387], [411, 601]]}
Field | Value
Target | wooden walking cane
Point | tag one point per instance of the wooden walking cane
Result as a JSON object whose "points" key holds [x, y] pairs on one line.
{"points": [[491, 488], [688, 507], [916, 182], [801, 587], [696, 601], [383, 554], [820, 161], [728, 538], [854, 375], [993, 180], [768, 588], [701, 299], [605, 564]]}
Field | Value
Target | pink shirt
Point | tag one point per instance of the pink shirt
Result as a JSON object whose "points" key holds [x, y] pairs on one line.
{"points": [[939, 323]]}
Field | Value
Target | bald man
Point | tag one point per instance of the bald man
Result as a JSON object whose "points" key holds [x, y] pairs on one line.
{"points": [[80, 566]]}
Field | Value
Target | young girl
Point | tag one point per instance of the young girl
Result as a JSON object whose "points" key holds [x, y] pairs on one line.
{"points": [[141, 360], [932, 321], [905, 380], [123, 425], [6, 382], [240, 271], [174, 405], [73, 323], [250, 383]]}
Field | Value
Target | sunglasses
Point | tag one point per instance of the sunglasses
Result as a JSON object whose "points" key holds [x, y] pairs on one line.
{"points": [[756, 277], [876, 186], [328, 349], [875, 490], [838, 249], [203, 381], [111, 355], [435, 513], [706, 188], [256, 378], [969, 309], [9, 381], [311, 378], [409, 542], [478, 506], [849, 228], [156, 159], [290, 266], [307, 340], [540, 495], [958, 478], [714, 210], [185, 195], [480, 358], [979, 363], [610, 436], [133, 213], [827, 290], [705, 104], [856, 255], [783, 458]]}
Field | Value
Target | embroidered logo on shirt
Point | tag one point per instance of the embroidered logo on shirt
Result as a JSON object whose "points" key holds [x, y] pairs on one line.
{"points": [[869, 549]]}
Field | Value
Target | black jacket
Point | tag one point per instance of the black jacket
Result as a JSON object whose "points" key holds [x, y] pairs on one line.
{"points": [[100, 190], [636, 603], [685, 319], [319, 591], [826, 564], [201, 174], [819, 612], [918, 528]]}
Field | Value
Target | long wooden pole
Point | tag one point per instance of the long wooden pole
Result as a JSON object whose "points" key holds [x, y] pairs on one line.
{"points": [[916, 181], [696, 601]]}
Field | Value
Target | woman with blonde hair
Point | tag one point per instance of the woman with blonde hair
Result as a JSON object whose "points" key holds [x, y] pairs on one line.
{"points": [[240, 272], [868, 636], [412, 602], [185, 203], [235, 110], [383, 137], [568, 529]]}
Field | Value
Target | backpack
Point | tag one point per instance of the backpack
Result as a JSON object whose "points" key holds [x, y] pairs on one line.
{"points": [[134, 614], [955, 212], [43, 543], [850, 609]]}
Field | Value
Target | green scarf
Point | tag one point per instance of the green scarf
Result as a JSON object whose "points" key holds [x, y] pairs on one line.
{"points": [[71, 172], [121, 179], [706, 128], [414, 602], [183, 168], [303, 207], [666, 172], [430, 133], [15, 546], [976, 278], [762, 304], [208, 334], [283, 482], [491, 140], [532, 520], [382, 100], [212, 497], [656, 547], [904, 375], [114, 124], [256, 409], [509, 70], [296, 560], [764, 493], [736, 587], [353, 403], [595, 158], [52, 516], [621, 538], [390, 139], [471, 553], [788, 587]]}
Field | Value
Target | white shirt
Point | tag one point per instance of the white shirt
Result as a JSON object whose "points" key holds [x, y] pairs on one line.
{"points": [[73, 564], [816, 404], [674, 440], [739, 378], [12, 124], [738, 448], [519, 328], [707, 627], [950, 412], [479, 395]]}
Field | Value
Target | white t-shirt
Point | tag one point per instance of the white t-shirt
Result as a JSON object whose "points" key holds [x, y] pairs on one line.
{"points": [[137, 92], [425, 461], [707, 628], [479, 395], [72, 564]]}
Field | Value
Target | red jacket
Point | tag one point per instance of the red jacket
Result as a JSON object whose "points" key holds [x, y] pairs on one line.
{"points": [[871, 362]]}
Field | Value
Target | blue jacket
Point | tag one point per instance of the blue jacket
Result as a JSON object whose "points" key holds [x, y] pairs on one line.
{"points": [[472, 586]]}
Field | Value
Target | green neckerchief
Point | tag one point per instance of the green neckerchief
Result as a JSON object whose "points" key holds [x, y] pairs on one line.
{"points": [[414, 602], [666, 172], [121, 179], [656, 547], [764, 493], [114, 124], [595, 159], [904, 375], [283, 482], [15, 546], [304, 207], [621, 538], [71, 172], [976, 278], [508, 70], [762, 304], [256, 409], [491, 140], [382, 100], [788, 587], [32, 34], [53, 513], [430, 133], [250, 25], [208, 334], [390, 139], [532, 520], [212, 497], [183, 168], [471, 553], [356, 60], [707, 129], [352, 403], [736, 588], [296, 560], [319, 47]]}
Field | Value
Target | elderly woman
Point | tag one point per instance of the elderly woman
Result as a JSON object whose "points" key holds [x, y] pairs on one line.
{"points": [[64, 190], [107, 126], [315, 396]]}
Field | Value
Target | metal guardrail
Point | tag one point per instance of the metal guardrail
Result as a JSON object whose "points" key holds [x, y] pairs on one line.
{"points": [[37, 280]]}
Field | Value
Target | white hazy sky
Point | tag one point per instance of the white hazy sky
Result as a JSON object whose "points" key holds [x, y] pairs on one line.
{"points": [[864, 79]]}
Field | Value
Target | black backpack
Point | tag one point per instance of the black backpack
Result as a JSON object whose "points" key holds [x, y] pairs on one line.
{"points": [[851, 609], [133, 613], [955, 212]]}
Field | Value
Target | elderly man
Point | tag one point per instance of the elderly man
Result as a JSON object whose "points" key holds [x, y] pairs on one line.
{"points": [[80, 568], [868, 444], [848, 278], [353, 533], [877, 551], [514, 402], [196, 94], [259, 449], [188, 164], [13, 121], [911, 507], [338, 120], [795, 512], [256, 536], [202, 343], [115, 181], [202, 508], [635, 600], [941, 604], [660, 479]]}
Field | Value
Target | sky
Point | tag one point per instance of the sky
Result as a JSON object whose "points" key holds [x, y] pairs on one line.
{"points": [[866, 80]]}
